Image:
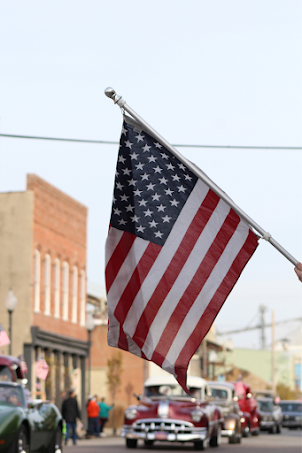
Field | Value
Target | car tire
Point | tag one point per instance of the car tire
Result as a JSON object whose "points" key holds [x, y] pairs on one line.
{"points": [[236, 439], [20, 443], [273, 430], [215, 440], [279, 428], [256, 432], [131, 443], [199, 445], [56, 442], [148, 443]]}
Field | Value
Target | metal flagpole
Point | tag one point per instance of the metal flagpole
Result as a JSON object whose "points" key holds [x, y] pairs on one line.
{"points": [[199, 173]]}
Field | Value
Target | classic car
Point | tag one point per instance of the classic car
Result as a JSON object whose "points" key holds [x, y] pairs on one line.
{"points": [[292, 414], [27, 426], [225, 397], [10, 369], [166, 413], [250, 423], [270, 415]]}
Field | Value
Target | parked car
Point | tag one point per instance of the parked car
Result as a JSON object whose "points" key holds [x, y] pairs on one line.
{"points": [[225, 397], [166, 413], [292, 414], [248, 404], [27, 426], [10, 369], [270, 415]]}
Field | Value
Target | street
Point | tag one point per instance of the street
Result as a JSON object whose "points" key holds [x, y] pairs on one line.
{"points": [[287, 442]]}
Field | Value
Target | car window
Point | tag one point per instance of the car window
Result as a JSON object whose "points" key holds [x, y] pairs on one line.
{"points": [[171, 390], [219, 393], [266, 406], [291, 407], [11, 395], [5, 374]]}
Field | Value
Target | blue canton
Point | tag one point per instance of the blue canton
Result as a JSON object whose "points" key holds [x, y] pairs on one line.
{"points": [[151, 187]]}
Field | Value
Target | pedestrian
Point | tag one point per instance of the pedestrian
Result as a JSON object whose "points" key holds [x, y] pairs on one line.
{"points": [[103, 414], [93, 417], [71, 413]]}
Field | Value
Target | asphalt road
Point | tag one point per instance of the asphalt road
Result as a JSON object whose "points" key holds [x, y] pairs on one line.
{"points": [[287, 442]]}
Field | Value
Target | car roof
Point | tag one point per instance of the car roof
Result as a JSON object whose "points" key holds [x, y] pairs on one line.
{"points": [[229, 385], [169, 379], [264, 398], [10, 384]]}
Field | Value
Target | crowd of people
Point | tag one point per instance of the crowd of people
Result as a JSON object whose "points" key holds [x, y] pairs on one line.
{"points": [[97, 415]]}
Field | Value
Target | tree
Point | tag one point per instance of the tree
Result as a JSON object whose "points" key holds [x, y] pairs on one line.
{"points": [[114, 378]]}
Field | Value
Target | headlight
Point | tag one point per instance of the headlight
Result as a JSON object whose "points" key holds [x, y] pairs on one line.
{"points": [[298, 418], [196, 415], [242, 419], [130, 414]]}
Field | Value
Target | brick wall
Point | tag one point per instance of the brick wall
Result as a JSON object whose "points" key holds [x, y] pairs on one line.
{"points": [[59, 230]]}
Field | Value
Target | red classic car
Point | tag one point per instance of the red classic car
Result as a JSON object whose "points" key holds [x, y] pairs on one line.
{"points": [[166, 413], [250, 419]]}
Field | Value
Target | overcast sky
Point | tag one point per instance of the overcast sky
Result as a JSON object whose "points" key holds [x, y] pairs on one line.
{"points": [[200, 72]]}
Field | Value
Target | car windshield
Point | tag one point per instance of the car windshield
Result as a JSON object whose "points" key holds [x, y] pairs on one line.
{"points": [[291, 407], [11, 395], [266, 406], [220, 394], [171, 390]]}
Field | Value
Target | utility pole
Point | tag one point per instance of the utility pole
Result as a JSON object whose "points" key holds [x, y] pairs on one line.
{"points": [[262, 310], [273, 353]]}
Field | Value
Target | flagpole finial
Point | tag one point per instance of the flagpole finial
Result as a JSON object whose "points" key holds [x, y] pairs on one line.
{"points": [[111, 93]]}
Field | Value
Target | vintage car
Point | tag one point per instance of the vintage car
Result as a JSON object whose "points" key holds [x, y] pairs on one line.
{"points": [[166, 413], [27, 426], [250, 423], [292, 414], [270, 415], [10, 369], [224, 394]]}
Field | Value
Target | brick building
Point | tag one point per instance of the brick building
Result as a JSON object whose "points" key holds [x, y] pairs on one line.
{"points": [[43, 260]]}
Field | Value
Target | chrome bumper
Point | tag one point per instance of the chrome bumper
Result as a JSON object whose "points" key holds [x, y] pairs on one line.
{"points": [[167, 430]]}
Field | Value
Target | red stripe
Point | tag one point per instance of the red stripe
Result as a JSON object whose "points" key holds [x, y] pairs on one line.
{"points": [[179, 259], [122, 341], [141, 271], [213, 308], [195, 286], [118, 257]]}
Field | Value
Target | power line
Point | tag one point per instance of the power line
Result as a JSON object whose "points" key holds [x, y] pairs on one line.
{"points": [[106, 142]]}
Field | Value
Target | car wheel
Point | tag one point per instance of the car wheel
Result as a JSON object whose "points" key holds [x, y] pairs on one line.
{"points": [[20, 444], [255, 432], [236, 439], [131, 443], [148, 442], [215, 440], [199, 445], [56, 442], [279, 428]]}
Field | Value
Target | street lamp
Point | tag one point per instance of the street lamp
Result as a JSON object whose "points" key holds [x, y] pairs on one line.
{"points": [[10, 303], [89, 327]]}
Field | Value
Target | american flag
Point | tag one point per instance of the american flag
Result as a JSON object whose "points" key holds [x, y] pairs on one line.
{"points": [[42, 369], [23, 365], [173, 254], [4, 338]]}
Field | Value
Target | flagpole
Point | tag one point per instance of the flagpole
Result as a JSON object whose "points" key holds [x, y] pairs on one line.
{"points": [[199, 173]]}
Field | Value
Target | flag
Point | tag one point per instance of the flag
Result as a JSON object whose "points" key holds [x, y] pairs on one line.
{"points": [[4, 339], [174, 251], [42, 369], [23, 365]]}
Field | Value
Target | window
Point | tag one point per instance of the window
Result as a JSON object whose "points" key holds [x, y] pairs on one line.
{"points": [[74, 313], [65, 290], [37, 282], [47, 286], [57, 288], [82, 298]]}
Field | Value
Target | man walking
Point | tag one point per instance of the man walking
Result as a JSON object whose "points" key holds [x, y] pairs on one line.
{"points": [[70, 413]]}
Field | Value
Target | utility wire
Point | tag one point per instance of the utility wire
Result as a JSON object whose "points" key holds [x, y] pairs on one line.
{"points": [[106, 142]]}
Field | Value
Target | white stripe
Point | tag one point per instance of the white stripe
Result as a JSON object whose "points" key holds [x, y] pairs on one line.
{"points": [[205, 296], [164, 258], [122, 278], [113, 238], [184, 278]]}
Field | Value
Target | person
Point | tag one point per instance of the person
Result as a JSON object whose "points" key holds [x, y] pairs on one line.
{"points": [[103, 414], [70, 413], [298, 270], [13, 399], [93, 417]]}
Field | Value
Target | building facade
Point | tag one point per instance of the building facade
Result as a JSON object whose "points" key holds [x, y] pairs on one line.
{"points": [[43, 260]]}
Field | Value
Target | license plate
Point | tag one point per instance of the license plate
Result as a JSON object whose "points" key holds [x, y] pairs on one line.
{"points": [[161, 436]]}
